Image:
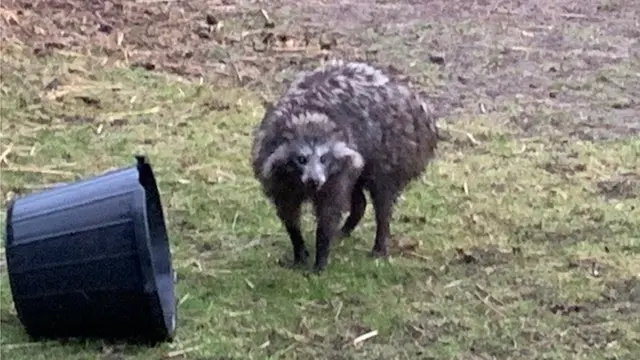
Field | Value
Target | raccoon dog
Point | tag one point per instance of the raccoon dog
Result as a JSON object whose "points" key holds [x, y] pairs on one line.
{"points": [[338, 130]]}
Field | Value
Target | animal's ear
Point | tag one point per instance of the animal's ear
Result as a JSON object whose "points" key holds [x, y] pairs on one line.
{"points": [[280, 154], [342, 150]]}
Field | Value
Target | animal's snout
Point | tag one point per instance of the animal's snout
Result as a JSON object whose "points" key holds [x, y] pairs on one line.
{"points": [[313, 183], [314, 176]]}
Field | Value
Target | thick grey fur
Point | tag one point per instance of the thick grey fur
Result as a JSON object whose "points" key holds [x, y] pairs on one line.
{"points": [[377, 134]]}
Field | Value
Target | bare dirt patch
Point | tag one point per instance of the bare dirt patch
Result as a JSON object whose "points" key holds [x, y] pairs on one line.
{"points": [[488, 256], [624, 186], [620, 298], [567, 68], [625, 291]]}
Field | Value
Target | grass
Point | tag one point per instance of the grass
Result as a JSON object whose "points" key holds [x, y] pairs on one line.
{"points": [[494, 254]]}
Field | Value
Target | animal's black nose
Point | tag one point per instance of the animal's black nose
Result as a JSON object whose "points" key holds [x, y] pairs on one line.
{"points": [[313, 184]]}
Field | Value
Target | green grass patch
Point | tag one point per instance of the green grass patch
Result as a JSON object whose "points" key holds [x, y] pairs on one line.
{"points": [[506, 248]]}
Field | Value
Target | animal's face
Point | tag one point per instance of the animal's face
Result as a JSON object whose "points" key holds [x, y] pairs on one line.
{"points": [[313, 161]]}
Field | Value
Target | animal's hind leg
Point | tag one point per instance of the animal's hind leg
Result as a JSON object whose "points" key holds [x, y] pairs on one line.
{"points": [[383, 202], [358, 207], [289, 214]]}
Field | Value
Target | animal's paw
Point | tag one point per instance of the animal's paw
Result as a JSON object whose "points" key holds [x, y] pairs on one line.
{"points": [[377, 253], [292, 264], [299, 262], [343, 234], [315, 271], [339, 239]]}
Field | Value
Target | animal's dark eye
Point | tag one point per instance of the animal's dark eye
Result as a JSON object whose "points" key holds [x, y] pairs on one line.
{"points": [[324, 158], [302, 159]]}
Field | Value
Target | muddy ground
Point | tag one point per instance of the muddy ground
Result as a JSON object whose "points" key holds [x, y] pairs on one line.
{"points": [[557, 67]]}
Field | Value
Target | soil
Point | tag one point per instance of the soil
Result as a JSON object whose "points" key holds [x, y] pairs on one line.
{"points": [[566, 68]]}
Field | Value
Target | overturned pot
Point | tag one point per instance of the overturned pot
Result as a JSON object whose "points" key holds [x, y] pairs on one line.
{"points": [[92, 259]]}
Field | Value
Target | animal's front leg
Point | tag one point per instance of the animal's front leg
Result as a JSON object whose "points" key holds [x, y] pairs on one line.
{"points": [[300, 253], [329, 205], [326, 231], [289, 213]]}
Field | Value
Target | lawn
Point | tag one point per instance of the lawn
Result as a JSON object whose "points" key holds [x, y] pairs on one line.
{"points": [[521, 240]]}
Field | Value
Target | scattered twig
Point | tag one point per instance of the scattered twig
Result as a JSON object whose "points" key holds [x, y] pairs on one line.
{"points": [[10, 16], [40, 186], [487, 294], [595, 269], [488, 304], [238, 313], [297, 337], [250, 244], [26, 169], [469, 136], [454, 283], [267, 20], [364, 337], [249, 284], [119, 40], [181, 352], [183, 299], [416, 255], [296, 49], [154, 1], [5, 153], [338, 311], [66, 89], [113, 116], [279, 353], [236, 72], [578, 16], [9, 347], [550, 13], [248, 33], [69, 53]]}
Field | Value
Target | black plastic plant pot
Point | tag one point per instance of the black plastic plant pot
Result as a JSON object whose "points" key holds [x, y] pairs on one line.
{"points": [[91, 259]]}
